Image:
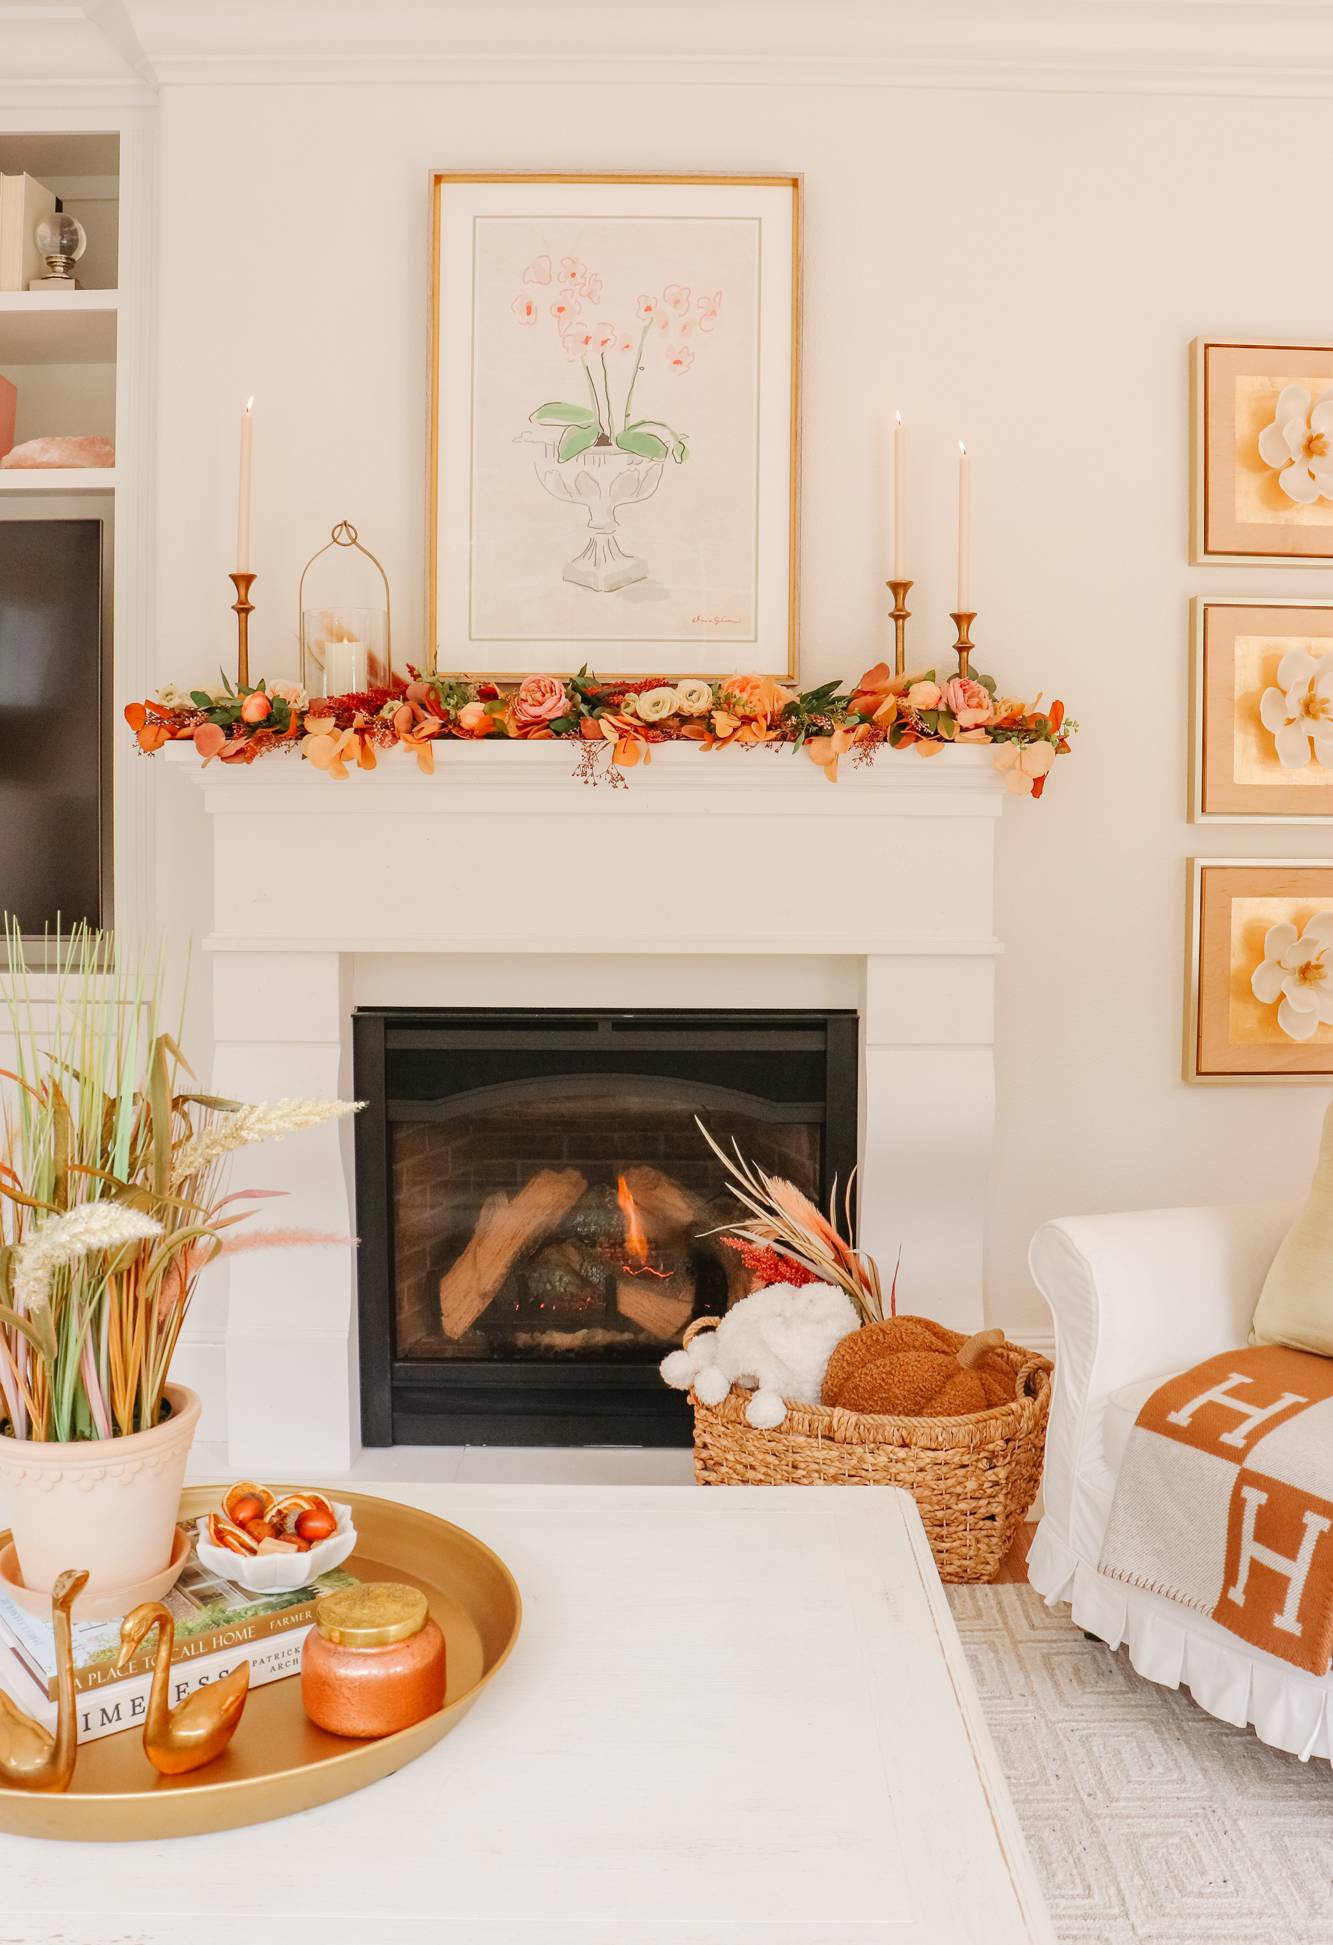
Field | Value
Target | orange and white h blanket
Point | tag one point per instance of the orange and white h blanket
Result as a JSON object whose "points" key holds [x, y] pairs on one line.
{"points": [[1225, 1500]]}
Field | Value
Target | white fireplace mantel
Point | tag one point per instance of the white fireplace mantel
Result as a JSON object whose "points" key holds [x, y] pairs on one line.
{"points": [[502, 854]]}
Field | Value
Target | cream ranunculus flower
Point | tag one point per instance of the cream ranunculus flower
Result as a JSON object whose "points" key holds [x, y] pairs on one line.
{"points": [[694, 696], [1297, 970], [655, 704], [1299, 444], [1299, 711]]}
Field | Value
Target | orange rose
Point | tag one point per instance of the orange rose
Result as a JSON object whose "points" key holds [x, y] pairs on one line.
{"points": [[473, 720], [256, 707], [755, 695]]}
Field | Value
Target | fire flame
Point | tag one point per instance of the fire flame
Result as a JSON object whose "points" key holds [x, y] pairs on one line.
{"points": [[636, 1242]]}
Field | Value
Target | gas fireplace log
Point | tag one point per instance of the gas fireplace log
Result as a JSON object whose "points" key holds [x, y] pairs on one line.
{"points": [[660, 1311], [505, 1229]]}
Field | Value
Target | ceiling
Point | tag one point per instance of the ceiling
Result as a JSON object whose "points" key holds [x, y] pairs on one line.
{"points": [[1231, 46]]}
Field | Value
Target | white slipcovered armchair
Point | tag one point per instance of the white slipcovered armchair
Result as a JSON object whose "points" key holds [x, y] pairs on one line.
{"points": [[1137, 1298]]}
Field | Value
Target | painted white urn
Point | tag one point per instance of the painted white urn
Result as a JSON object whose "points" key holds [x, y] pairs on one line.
{"points": [[603, 480]]}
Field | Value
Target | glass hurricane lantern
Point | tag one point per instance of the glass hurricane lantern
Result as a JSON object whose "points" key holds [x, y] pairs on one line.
{"points": [[346, 642]]}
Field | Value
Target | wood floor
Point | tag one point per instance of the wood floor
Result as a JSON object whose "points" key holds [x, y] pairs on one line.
{"points": [[1015, 1568]]}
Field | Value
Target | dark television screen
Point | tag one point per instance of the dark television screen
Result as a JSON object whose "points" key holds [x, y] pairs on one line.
{"points": [[50, 721]]}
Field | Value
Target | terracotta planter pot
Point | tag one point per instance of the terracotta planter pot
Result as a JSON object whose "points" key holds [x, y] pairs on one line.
{"points": [[107, 1505]]}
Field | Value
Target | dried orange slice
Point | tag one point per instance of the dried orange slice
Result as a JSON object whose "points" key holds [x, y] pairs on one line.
{"points": [[225, 1533]]}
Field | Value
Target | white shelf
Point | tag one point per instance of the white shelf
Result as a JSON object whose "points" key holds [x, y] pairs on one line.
{"points": [[57, 479], [37, 328]]}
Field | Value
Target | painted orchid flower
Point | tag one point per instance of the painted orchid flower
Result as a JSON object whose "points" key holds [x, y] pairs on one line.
{"points": [[565, 308], [1024, 765], [646, 309], [708, 308], [1296, 971], [677, 298], [592, 289], [572, 271], [525, 310], [603, 337], [680, 358], [1299, 711], [538, 271], [1298, 444]]}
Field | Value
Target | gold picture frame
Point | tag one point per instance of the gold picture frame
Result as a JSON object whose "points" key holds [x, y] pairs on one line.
{"points": [[1247, 509], [1233, 1033], [1237, 645], [734, 636]]}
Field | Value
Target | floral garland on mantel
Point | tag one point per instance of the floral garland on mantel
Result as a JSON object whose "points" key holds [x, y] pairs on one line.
{"points": [[615, 724]]}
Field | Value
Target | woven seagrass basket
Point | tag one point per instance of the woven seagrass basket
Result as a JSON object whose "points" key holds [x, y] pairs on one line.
{"points": [[973, 1477]]}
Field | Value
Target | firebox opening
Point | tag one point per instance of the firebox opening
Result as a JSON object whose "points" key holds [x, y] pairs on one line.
{"points": [[538, 1209]]}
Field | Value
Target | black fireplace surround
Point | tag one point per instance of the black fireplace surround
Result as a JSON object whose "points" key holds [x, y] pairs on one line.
{"points": [[534, 1201]]}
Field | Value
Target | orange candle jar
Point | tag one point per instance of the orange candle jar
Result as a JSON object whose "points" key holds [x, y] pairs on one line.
{"points": [[373, 1662]]}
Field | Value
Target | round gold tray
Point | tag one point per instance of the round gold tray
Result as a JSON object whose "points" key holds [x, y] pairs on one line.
{"points": [[279, 1761]]}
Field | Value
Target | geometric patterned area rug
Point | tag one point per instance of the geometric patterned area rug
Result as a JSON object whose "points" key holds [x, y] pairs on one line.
{"points": [[1149, 1822]]}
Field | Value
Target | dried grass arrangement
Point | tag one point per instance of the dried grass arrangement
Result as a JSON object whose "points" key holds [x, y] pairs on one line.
{"points": [[112, 1194]]}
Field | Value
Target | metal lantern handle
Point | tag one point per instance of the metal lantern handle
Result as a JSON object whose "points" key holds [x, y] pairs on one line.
{"points": [[344, 535]]}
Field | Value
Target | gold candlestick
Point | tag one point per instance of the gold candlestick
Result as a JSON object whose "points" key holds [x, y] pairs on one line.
{"points": [[242, 607], [901, 614], [962, 621]]}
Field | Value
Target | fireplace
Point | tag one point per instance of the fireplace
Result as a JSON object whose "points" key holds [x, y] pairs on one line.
{"points": [[534, 1201]]}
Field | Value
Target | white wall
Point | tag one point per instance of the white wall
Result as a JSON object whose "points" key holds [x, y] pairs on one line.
{"points": [[1025, 269]]}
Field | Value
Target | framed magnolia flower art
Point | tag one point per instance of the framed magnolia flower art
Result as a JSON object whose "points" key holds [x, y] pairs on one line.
{"points": [[1262, 702], [614, 367], [1260, 1001], [1263, 452]]}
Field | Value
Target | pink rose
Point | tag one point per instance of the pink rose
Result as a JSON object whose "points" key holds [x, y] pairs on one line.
{"points": [[967, 701], [255, 708], [539, 700]]}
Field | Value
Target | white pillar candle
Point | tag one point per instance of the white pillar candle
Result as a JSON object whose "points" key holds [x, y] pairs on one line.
{"points": [[899, 501], [243, 492], [344, 668], [964, 527]]}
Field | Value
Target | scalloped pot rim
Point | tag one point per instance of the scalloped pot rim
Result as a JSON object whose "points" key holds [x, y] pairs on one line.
{"points": [[104, 1506]]}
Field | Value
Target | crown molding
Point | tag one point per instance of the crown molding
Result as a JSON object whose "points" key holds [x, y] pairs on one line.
{"points": [[1264, 47]]}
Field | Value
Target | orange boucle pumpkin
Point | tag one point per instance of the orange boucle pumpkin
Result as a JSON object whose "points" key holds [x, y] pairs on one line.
{"points": [[909, 1367]]}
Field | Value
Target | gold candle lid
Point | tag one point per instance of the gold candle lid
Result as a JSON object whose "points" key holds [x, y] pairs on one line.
{"points": [[373, 1615]]}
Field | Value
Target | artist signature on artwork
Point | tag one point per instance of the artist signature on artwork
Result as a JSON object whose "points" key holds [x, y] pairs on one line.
{"points": [[715, 621]]}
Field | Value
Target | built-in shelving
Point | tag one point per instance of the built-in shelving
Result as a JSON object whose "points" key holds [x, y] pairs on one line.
{"points": [[74, 329], [81, 362], [57, 479]]}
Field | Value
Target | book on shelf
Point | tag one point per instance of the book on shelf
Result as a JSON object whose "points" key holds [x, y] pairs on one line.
{"points": [[218, 1625], [23, 203]]}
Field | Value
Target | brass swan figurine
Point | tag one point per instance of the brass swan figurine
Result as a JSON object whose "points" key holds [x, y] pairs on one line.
{"points": [[31, 1758], [200, 1727]]}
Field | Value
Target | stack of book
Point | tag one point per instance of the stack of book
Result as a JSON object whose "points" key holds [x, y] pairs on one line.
{"points": [[23, 203], [218, 1625]]}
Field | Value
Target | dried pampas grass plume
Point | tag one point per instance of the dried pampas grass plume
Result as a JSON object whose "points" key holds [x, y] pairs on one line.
{"points": [[265, 1121]]}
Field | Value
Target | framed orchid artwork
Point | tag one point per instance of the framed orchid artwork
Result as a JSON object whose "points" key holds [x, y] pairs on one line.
{"points": [[1262, 705], [614, 423], [1260, 1004], [1262, 481]]}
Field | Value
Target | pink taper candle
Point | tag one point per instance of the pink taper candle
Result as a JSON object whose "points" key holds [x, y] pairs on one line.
{"points": [[243, 494], [899, 500], [964, 526]]}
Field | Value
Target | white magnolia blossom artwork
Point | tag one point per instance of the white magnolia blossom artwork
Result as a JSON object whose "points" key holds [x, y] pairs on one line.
{"points": [[1298, 444], [1296, 975], [1299, 711]]}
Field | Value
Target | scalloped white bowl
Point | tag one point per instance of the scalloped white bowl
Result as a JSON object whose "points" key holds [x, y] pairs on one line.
{"points": [[279, 1573]]}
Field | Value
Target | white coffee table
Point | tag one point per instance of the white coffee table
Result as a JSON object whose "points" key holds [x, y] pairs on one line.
{"points": [[733, 1718]]}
